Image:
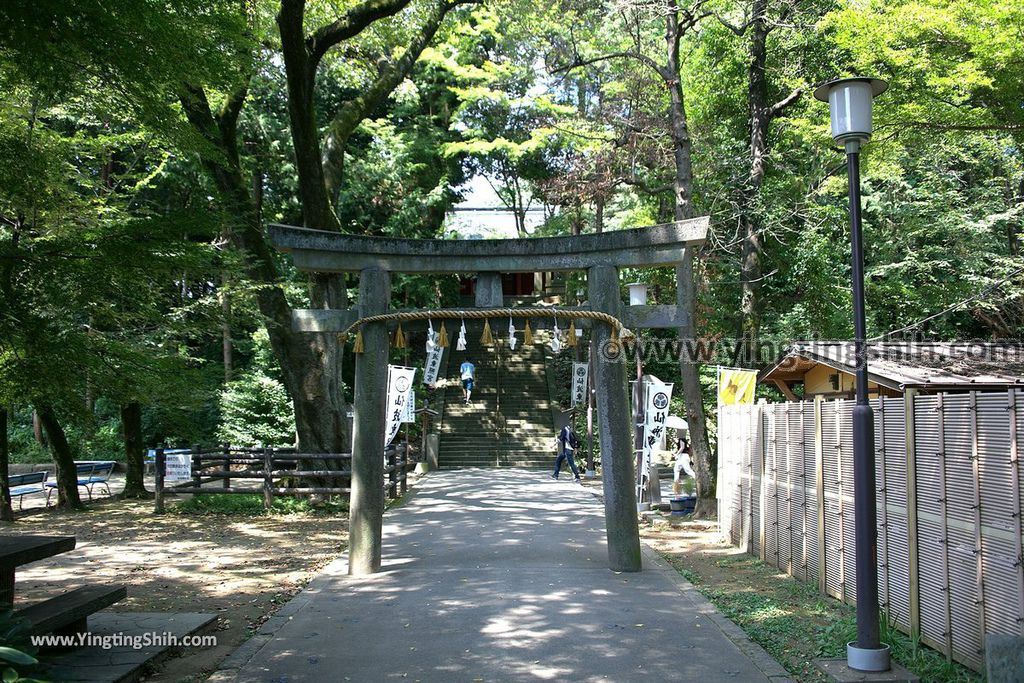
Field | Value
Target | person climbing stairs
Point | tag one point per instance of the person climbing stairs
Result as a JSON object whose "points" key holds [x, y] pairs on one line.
{"points": [[507, 422]]}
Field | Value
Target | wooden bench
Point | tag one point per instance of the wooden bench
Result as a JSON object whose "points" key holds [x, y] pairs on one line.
{"points": [[68, 613], [63, 614], [21, 485], [89, 475]]}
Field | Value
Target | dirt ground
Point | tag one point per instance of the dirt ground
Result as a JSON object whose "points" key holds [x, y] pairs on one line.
{"points": [[241, 568]]}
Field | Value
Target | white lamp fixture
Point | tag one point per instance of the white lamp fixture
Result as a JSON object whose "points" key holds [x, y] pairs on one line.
{"points": [[637, 294], [849, 102]]}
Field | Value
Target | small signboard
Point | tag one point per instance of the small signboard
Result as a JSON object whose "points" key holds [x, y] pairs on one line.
{"points": [[410, 407], [178, 466]]}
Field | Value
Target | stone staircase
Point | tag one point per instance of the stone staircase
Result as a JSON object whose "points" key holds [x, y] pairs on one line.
{"points": [[508, 421]]}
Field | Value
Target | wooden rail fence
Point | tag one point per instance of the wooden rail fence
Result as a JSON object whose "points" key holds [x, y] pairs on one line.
{"points": [[276, 472]]}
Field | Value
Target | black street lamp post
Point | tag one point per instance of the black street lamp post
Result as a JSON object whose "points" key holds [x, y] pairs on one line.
{"points": [[850, 107]]}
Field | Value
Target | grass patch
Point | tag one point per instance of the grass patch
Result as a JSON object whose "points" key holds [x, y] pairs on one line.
{"points": [[245, 505], [796, 624]]}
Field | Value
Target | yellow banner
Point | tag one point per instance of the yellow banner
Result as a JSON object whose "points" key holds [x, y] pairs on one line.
{"points": [[736, 386]]}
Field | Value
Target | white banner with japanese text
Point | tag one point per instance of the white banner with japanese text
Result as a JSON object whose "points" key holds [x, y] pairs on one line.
{"points": [[400, 380], [433, 365], [579, 383], [657, 397]]}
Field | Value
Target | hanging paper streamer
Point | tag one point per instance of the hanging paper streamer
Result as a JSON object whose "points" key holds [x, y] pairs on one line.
{"points": [[528, 334], [570, 335], [511, 335], [487, 338], [431, 336], [460, 345], [556, 338], [442, 338]]}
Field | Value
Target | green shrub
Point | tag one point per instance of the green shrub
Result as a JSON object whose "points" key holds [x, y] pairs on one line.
{"points": [[256, 409], [252, 505]]}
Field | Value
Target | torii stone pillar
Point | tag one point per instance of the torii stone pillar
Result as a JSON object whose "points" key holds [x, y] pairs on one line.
{"points": [[366, 508], [614, 417]]}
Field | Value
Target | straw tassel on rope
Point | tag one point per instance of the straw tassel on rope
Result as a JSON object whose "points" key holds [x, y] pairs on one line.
{"points": [[528, 333], [570, 339], [399, 338], [442, 337], [358, 346], [487, 338]]}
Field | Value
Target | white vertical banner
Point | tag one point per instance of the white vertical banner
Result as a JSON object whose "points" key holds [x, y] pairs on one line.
{"points": [[657, 397], [579, 383], [433, 365], [400, 381], [410, 407]]}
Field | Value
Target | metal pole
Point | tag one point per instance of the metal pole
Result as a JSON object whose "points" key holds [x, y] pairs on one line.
{"points": [[866, 525]]}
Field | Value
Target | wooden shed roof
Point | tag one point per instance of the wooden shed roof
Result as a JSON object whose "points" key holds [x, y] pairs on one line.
{"points": [[905, 365]]}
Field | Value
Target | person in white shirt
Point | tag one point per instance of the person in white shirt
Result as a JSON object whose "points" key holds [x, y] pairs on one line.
{"points": [[466, 371], [683, 465]]}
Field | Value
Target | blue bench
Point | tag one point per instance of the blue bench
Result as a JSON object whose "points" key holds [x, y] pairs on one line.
{"points": [[90, 474], [21, 485]]}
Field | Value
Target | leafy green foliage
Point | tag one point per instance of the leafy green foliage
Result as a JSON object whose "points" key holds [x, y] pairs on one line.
{"points": [[244, 505], [255, 409]]}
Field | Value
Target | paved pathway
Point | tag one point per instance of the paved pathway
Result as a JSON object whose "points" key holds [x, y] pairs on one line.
{"points": [[499, 575]]}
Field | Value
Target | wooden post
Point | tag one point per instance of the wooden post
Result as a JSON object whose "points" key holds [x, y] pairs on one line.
{"points": [[789, 490], [805, 529], [591, 468], [762, 504], [613, 416], [819, 483], [160, 465], [944, 540], [1016, 511], [393, 472], [404, 471], [268, 480], [197, 466], [883, 489], [910, 442], [366, 503], [978, 546], [227, 466], [752, 414], [842, 507]]}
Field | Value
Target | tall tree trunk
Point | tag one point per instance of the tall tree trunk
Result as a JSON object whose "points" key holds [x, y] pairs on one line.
{"points": [[686, 287], [131, 431], [6, 510], [308, 362], [37, 430], [227, 349], [757, 96], [1012, 228], [63, 458], [599, 215]]}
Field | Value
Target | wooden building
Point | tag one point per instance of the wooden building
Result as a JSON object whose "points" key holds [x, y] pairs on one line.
{"points": [[809, 369]]}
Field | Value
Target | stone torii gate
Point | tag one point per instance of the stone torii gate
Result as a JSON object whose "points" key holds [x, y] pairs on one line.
{"points": [[601, 255]]}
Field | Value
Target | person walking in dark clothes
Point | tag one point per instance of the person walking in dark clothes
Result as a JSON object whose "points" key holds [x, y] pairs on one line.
{"points": [[567, 445]]}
